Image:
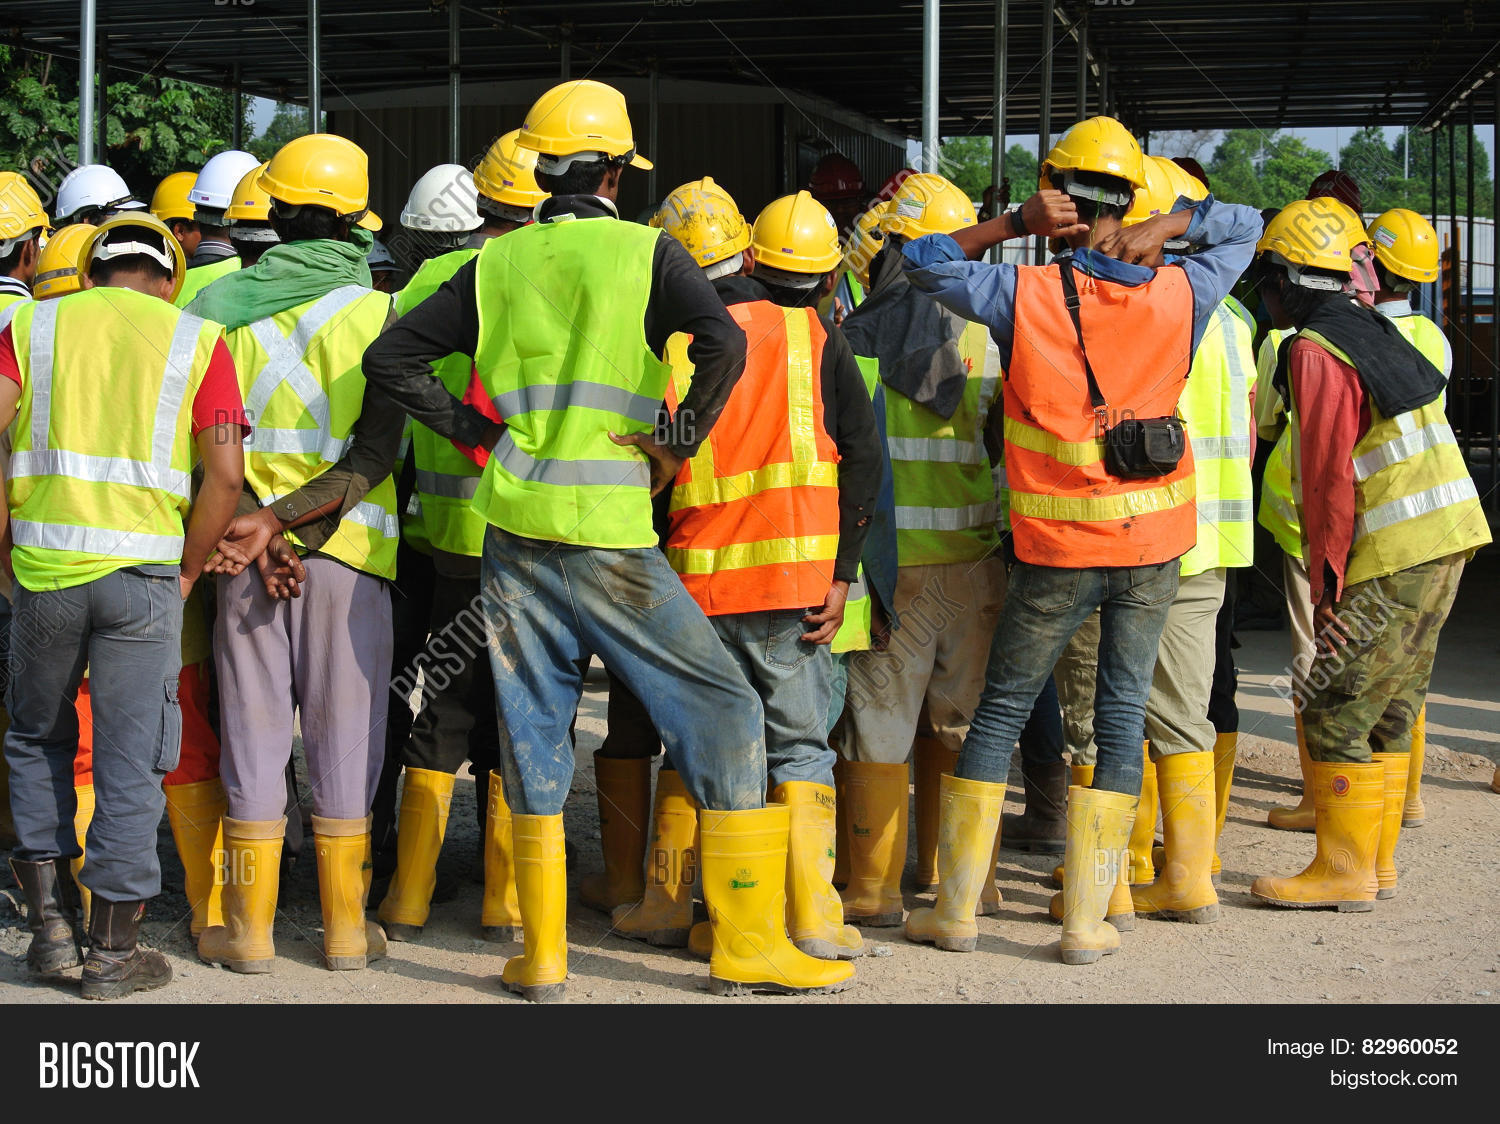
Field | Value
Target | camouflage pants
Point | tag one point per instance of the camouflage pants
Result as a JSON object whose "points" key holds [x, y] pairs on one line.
{"points": [[1364, 697]]}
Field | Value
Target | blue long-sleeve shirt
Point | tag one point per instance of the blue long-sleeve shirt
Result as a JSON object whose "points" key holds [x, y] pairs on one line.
{"points": [[986, 293]]}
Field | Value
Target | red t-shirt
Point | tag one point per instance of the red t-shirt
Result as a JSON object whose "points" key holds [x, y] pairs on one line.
{"points": [[217, 401]]}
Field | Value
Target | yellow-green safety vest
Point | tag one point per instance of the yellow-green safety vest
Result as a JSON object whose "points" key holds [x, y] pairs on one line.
{"points": [[946, 507], [446, 479], [563, 356], [300, 375], [97, 482], [854, 634], [1427, 338], [1278, 510], [195, 280], [1215, 409]]}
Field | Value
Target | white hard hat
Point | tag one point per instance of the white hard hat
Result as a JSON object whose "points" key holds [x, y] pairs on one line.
{"points": [[379, 255], [444, 199], [213, 190], [93, 185]]}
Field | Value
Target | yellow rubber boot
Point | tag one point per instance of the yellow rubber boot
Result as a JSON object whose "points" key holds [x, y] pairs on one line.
{"points": [[1185, 890], [500, 913], [931, 761], [1414, 813], [252, 874], [664, 915], [841, 858], [1143, 831], [1121, 909], [877, 843], [196, 813], [81, 820], [1082, 777], [425, 798], [1301, 817], [350, 941], [1226, 748], [744, 885], [814, 913], [1396, 766], [624, 790], [701, 941], [539, 974], [1098, 829], [966, 847], [1350, 805], [989, 892]]}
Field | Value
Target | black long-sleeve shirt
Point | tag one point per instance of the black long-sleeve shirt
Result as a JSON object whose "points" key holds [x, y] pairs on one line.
{"points": [[850, 420], [681, 300]]}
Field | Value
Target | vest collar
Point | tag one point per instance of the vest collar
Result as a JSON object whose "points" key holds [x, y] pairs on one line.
{"points": [[14, 285], [1106, 268], [576, 206]]}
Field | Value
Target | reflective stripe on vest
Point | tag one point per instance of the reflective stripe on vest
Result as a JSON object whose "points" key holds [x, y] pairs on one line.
{"points": [[946, 518], [1278, 508], [98, 540], [446, 484], [364, 514]]}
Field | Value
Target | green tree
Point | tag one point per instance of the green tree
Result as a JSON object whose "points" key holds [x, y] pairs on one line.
{"points": [[966, 161], [1264, 169], [288, 123], [1376, 168], [1418, 188]]}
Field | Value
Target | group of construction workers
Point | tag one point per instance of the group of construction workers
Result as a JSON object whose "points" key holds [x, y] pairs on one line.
{"points": [[843, 509]]}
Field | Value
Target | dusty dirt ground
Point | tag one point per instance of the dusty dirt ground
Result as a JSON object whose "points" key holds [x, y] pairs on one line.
{"points": [[1436, 942]]}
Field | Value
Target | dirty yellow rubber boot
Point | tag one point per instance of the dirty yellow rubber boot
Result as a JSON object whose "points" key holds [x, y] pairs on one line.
{"points": [[1081, 776], [877, 843], [1396, 789], [1350, 805], [425, 798], [1301, 817], [1143, 831], [196, 813], [744, 886], [350, 941], [1226, 748], [664, 915], [1414, 812], [81, 820], [841, 857], [931, 761], [539, 974], [1098, 830], [1121, 909], [624, 791], [701, 941], [252, 875], [1184, 891], [989, 892], [500, 912], [814, 913], [970, 822]]}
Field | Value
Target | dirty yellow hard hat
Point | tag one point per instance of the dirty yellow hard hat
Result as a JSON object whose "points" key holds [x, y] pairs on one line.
{"points": [[1101, 145], [864, 241], [1313, 234], [325, 171], [57, 272], [249, 203], [796, 234], [170, 199], [1406, 244], [21, 210], [706, 220], [926, 203], [578, 119], [507, 174], [1165, 183], [95, 249]]}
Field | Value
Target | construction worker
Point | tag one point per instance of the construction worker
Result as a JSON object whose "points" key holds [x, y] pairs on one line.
{"points": [[1389, 516], [1095, 524], [107, 548], [456, 719], [248, 218], [385, 274], [91, 193], [58, 271], [169, 202], [308, 628], [570, 563], [212, 254], [941, 378], [836, 183]]}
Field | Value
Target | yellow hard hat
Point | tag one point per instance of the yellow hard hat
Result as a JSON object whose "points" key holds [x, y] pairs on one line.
{"points": [[580, 117], [57, 272], [507, 174], [250, 202], [797, 234], [1406, 244], [93, 248], [324, 170], [706, 220], [926, 203], [1165, 182], [864, 241], [1101, 145], [1313, 234], [21, 210], [170, 200]]}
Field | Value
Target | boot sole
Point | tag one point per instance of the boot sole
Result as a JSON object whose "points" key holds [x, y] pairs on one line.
{"points": [[1086, 955], [659, 938], [717, 986], [396, 931], [1202, 915], [500, 934], [1386, 894], [875, 920], [1341, 906], [54, 965], [122, 988], [820, 949], [244, 967], [1123, 922], [345, 963], [948, 944], [538, 993], [1414, 823]]}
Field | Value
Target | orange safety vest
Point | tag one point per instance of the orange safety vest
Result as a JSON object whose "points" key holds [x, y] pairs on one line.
{"points": [[1066, 509], [754, 519]]}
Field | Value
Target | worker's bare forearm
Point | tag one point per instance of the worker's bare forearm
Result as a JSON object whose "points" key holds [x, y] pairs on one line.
{"points": [[212, 511], [974, 241]]}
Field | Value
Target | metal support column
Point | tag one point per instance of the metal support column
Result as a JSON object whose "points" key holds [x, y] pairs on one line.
{"points": [[88, 27], [565, 54], [1468, 321], [1044, 116], [1495, 339], [237, 129], [1455, 313], [1105, 108], [930, 32], [1081, 92], [997, 152], [314, 67], [653, 125], [455, 80], [101, 113]]}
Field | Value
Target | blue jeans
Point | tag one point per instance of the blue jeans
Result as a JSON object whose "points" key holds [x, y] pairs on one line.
{"points": [[1043, 609], [838, 688], [794, 681], [1042, 737], [126, 628], [549, 607]]}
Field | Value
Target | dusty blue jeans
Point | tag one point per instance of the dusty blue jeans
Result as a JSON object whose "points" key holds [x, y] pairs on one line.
{"points": [[1044, 607], [548, 607]]}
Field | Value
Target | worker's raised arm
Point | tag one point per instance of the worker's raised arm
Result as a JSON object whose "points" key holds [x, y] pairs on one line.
{"points": [[1223, 237]]}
